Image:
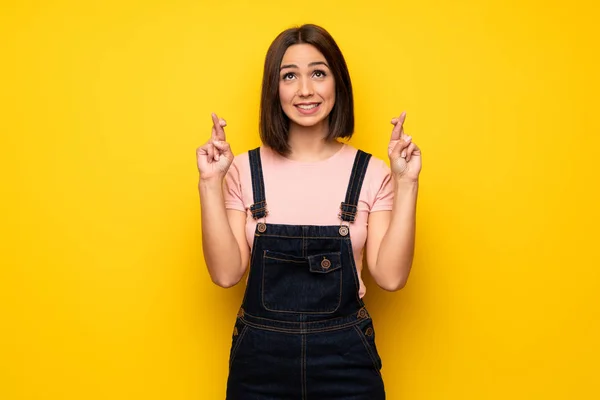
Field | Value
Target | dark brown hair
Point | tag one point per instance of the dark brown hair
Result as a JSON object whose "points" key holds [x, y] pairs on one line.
{"points": [[274, 124]]}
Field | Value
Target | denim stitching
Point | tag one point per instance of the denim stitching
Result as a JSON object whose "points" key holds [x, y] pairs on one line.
{"points": [[237, 344], [283, 256], [303, 262], [348, 214], [261, 178], [355, 180], [348, 208], [351, 183], [254, 175], [303, 330], [307, 237], [354, 196], [303, 242], [281, 259], [341, 280], [273, 255], [259, 208], [255, 195], [309, 323], [368, 349], [259, 174], [303, 363], [255, 207], [295, 322], [361, 177]]}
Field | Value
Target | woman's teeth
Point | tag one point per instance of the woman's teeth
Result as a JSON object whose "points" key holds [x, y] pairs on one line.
{"points": [[307, 107]]}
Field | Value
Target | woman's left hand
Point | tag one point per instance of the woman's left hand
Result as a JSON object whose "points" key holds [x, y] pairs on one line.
{"points": [[405, 156]]}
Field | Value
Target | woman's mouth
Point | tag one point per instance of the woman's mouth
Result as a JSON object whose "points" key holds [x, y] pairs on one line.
{"points": [[309, 108]]}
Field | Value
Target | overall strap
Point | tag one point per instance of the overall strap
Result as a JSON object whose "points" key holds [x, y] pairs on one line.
{"points": [[359, 169], [259, 208]]}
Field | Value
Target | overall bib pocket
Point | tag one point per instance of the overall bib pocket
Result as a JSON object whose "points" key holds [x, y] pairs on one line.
{"points": [[310, 284]]}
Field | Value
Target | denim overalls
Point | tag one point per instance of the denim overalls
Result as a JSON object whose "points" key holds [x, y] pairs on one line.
{"points": [[302, 331]]}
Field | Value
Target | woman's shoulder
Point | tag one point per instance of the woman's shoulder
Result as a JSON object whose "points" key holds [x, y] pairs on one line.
{"points": [[241, 161], [376, 165], [245, 156]]}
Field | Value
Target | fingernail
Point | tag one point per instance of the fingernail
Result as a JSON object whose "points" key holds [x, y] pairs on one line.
{"points": [[407, 138], [403, 155]]}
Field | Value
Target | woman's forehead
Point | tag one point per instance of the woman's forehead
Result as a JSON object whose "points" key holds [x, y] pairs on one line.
{"points": [[301, 55]]}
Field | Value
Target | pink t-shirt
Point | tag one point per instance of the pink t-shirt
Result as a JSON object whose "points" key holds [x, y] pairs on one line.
{"points": [[310, 193]]}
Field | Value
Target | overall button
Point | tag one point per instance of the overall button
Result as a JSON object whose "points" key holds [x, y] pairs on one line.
{"points": [[369, 331], [344, 230], [261, 227], [325, 264], [362, 313], [240, 313], [235, 331]]}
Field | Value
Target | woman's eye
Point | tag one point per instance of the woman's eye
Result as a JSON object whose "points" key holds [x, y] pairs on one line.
{"points": [[288, 76], [319, 74]]}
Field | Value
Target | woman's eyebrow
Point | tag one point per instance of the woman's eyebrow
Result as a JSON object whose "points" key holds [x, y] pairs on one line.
{"points": [[312, 64]]}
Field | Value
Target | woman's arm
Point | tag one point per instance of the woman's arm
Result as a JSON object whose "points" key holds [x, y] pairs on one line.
{"points": [[391, 234], [223, 231], [391, 238], [224, 243]]}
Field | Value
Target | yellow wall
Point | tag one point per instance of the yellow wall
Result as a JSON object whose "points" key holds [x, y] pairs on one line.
{"points": [[103, 289]]}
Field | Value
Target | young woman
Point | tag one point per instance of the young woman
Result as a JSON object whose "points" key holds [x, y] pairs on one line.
{"points": [[300, 210]]}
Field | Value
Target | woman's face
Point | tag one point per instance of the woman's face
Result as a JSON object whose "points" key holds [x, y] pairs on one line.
{"points": [[306, 86]]}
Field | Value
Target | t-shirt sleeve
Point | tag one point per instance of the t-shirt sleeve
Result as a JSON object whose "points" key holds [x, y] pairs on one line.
{"points": [[232, 188], [381, 187]]}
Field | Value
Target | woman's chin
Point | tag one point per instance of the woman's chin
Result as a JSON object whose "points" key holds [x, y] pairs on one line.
{"points": [[307, 122]]}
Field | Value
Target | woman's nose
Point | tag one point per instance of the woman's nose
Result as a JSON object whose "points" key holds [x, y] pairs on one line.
{"points": [[305, 88]]}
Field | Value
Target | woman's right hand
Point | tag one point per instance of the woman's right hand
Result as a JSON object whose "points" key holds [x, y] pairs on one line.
{"points": [[215, 156]]}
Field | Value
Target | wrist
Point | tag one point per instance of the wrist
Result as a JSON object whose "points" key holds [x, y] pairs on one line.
{"points": [[404, 181], [215, 182], [405, 186]]}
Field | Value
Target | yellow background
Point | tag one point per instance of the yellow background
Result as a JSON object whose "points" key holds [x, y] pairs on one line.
{"points": [[103, 289]]}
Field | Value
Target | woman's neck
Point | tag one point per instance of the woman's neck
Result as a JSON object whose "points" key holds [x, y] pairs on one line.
{"points": [[309, 144]]}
